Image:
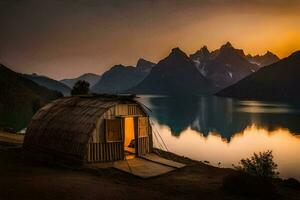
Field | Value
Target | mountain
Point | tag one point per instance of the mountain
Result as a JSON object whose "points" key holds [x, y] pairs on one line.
{"points": [[20, 98], [201, 58], [263, 60], [224, 66], [175, 75], [49, 83], [144, 65], [89, 77], [279, 81], [120, 78], [201, 55]]}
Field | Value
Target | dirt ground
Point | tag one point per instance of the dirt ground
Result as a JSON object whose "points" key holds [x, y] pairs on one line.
{"points": [[22, 179]]}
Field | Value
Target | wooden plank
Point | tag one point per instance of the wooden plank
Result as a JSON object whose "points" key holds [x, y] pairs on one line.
{"points": [[105, 152], [114, 151], [101, 151], [97, 150], [89, 155], [142, 168]]}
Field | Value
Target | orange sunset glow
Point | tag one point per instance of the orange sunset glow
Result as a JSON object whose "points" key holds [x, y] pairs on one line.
{"points": [[63, 39]]}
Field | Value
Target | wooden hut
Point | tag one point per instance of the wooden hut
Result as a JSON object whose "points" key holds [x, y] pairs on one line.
{"points": [[89, 129]]}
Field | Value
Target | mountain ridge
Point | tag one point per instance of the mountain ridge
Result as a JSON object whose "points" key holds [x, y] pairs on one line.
{"points": [[278, 81], [49, 83], [89, 77], [227, 65], [184, 79], [120, 78]]}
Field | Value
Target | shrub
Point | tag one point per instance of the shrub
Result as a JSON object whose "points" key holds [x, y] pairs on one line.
{"points": [[81, 88], [291, 183], [260, 164], [245, 184]]}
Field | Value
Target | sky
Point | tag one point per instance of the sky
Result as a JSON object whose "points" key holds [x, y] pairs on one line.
{"points": [[66, 38]]}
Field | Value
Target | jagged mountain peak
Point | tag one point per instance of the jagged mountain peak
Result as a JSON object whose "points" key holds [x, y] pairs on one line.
{"points": [[201, 54], [177, 55], [270, 54], [263, 60], [144, 64], [227, 45], [177, 51], [176, 74], [204, 49], [229, 49]]}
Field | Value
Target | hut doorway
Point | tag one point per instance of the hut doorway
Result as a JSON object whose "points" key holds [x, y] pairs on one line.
{"points": [[129, 137]]}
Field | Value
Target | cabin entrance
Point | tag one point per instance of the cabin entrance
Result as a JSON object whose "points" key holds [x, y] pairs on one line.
{"points": [[129, 138]]}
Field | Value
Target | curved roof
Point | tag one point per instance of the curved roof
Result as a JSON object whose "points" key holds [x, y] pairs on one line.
{"points": [[65, 125]]}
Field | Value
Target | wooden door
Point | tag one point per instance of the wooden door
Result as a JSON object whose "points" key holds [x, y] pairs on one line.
{"points": [[142, 135]]}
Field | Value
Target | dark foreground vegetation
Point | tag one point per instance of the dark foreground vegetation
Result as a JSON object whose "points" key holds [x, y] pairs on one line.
{"points": [[20, 98], [23, 179]]}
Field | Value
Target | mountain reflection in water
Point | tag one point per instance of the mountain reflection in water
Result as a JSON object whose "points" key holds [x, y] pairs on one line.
{"points": [[225, 130]]}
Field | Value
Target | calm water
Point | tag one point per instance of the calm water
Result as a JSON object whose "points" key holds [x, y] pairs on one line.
{"points": [[222, 131]]}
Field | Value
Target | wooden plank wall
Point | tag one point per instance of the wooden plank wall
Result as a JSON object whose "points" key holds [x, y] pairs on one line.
{"points": [[103, 152], [143, 143]]}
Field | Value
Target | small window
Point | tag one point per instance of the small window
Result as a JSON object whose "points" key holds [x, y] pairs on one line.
{"points": [[143, 126], [113, 130]]}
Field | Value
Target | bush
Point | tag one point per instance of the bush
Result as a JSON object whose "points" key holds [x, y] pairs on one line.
{"points": [[291, 183], [81, 88], [261, 165], [245, 184]]}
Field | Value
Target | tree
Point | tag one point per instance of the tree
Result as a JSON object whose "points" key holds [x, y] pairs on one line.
{"points": [[261, 165], [81, 88]]}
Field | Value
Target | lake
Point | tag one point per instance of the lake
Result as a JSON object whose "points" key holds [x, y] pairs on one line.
{"points": [[222, 131]]}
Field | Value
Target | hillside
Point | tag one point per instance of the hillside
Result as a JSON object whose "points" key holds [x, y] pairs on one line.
{"points": [[120, 78], [174, 75], [49, 83], [20, 98], [89, 77], [279, 81]]}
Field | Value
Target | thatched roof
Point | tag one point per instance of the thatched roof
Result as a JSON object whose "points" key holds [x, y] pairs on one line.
{"points": [[65, 125]]}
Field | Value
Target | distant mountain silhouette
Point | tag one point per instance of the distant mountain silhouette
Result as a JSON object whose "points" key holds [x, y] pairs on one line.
{"points": [[202, 55], [49, 83], [264, 60], [176, 74], [89, 77], [120, 78], [20, 98], [224, 66], [279, 81], [144, 65]]}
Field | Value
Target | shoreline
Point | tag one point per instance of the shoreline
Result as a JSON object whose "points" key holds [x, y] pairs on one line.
{"points": [[24, 179]]}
